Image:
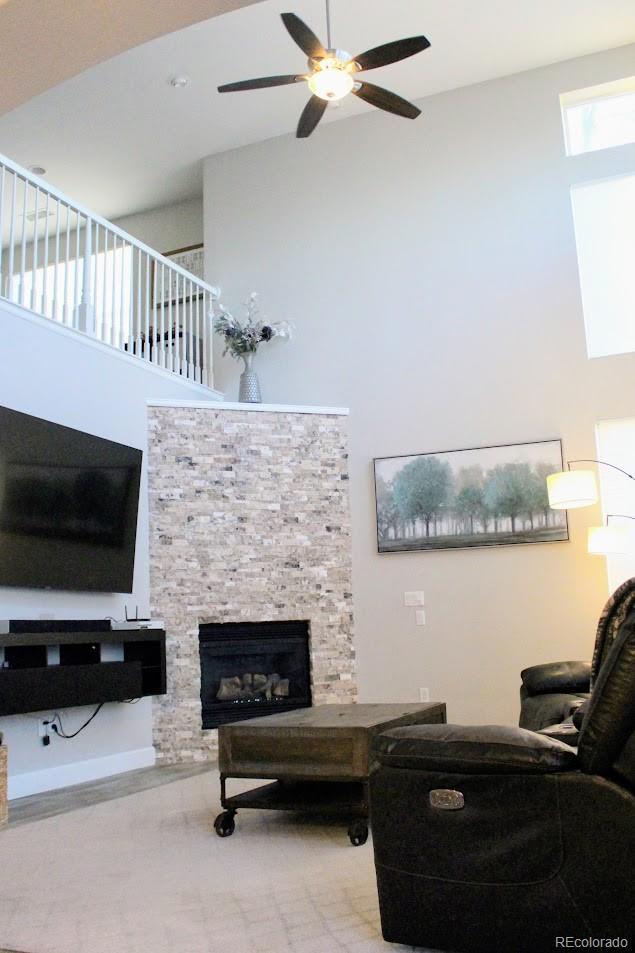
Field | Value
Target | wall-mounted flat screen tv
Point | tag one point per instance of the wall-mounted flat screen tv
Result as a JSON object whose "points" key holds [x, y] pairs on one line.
{"points": [[68, 507]]}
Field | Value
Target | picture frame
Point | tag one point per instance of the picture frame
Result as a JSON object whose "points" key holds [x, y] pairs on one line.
{"points": [[469, 498], [192, 259]]}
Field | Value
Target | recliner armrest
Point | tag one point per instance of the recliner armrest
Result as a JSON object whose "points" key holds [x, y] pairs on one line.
{"points": [[484, 749], [557, 677]]}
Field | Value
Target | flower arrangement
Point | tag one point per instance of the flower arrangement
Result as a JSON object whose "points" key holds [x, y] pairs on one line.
{"points": [[244, 337]]}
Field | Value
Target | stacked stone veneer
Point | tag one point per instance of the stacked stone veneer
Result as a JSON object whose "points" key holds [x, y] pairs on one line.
{"points": [[249, 521]]}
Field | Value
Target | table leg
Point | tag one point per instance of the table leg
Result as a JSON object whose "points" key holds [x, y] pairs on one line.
{"points": [[225, 825]]}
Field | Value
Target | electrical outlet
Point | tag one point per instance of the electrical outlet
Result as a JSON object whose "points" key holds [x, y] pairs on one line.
{"points": [[420, 616], [413, 598], [424, 694]]}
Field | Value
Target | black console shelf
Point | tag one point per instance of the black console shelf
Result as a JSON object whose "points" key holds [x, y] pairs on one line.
{"points": [[30, 680]]}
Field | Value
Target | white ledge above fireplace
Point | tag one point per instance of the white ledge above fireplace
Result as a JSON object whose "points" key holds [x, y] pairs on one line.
{"points": [[258, 408]]}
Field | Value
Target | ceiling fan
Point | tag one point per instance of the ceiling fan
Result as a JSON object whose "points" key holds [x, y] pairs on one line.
{"points": [[333, 73]]}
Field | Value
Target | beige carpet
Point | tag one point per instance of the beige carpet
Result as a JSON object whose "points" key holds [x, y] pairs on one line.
{"points": [[145, 874]]}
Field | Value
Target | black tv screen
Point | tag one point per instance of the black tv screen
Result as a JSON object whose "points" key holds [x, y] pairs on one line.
{"points": [[68, 507]]}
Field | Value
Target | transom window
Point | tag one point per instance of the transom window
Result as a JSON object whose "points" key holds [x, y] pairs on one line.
{"points": [[599, 117]]}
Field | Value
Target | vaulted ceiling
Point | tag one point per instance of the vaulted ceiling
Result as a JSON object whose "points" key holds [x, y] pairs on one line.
{"points": [[120, 139], [43, 43]]}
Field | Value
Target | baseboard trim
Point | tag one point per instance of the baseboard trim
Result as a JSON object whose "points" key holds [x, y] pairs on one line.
{"points": [[62, 776]]}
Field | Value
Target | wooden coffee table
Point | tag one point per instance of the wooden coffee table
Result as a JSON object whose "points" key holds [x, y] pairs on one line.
{"points": [[319, 757]]}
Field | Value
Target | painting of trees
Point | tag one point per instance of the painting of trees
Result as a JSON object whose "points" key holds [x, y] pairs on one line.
{"points": [[470, 504], [507, 491], [482, 497], [387, 510], [422, 488]]}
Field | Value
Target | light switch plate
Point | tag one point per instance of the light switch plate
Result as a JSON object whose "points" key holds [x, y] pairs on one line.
{"points": [[420, 616], [415, 598]]}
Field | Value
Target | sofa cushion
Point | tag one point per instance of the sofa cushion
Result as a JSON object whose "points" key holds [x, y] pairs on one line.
{"points": [[488, 749]]}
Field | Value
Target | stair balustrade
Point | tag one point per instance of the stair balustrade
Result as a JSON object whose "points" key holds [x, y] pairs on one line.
{"points": [[64, 262]]}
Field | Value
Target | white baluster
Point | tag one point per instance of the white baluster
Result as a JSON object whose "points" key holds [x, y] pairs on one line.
{"points": [[96, 318], [131, 300], [207, 363], [104, 306], [67, 264], [148, 331], [138, 320], [45, 274], [11, 293], [114, 304], [86, 311], [56, 267], [171, 338], [195, 343], [190, 337], [34, 251], [22, 298], [122, 286], [163, 342], [76, 297]]}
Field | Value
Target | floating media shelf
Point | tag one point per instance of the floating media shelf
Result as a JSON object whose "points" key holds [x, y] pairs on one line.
{"points": [[67, 667]]}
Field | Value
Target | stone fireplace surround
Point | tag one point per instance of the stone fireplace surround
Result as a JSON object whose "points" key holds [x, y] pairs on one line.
{"points": [[249, 522]]}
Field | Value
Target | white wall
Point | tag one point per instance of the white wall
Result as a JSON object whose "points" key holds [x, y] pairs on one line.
{"points": [[431, 270], [61, 376], [168, 227]]}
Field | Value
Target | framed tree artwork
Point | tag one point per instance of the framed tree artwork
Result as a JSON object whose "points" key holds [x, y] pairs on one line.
{"points": [[457, 499]]}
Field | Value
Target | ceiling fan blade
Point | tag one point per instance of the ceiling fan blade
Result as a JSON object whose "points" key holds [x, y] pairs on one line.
{"points": [[262, 83], [303, 36], [391, 52], [311, 115], [384, 99]]}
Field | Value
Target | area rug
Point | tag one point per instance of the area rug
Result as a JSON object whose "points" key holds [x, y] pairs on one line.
{"points": [[146, 874]]}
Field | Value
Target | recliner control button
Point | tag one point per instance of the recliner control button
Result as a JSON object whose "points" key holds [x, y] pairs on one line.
{"points": [[445, 799]]}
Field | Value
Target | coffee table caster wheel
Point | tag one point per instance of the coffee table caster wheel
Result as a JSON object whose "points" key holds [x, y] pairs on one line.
{"points": [[358, 833], [225, 825]]}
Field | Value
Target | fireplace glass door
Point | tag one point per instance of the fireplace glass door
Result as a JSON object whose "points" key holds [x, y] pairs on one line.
{"points": [[253, 668]]}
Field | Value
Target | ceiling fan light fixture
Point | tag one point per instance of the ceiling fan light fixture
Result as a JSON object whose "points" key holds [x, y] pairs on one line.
{"points": [[333, 73], [331, 80]]}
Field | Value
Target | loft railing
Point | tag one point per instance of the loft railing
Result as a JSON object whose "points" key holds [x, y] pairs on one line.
{"points": [[63, 262]]}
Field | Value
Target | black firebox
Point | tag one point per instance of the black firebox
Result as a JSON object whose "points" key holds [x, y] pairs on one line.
{"points": [[253, 668]]}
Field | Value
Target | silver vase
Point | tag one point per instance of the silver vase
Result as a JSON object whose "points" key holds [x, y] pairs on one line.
{"points": [[249, 391]]}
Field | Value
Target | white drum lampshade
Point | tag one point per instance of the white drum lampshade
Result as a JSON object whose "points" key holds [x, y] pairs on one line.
{"points": [[572, 489], [608, 540]]}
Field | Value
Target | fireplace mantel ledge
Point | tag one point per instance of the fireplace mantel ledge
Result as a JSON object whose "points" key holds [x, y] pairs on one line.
{"points": [[216, 405]]}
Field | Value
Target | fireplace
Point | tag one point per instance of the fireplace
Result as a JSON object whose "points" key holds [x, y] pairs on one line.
{"points": [[250, 669]]}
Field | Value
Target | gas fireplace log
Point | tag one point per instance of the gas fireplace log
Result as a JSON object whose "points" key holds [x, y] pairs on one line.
{"points": [[252, 685], [229, 689], [281, 690]]}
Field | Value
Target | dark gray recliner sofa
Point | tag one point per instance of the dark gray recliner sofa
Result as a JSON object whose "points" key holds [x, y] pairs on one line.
{"points": [[500, 840], [553, 696]]}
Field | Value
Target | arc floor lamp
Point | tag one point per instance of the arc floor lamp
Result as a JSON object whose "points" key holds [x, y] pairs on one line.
{"points": [[573, 489]]}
